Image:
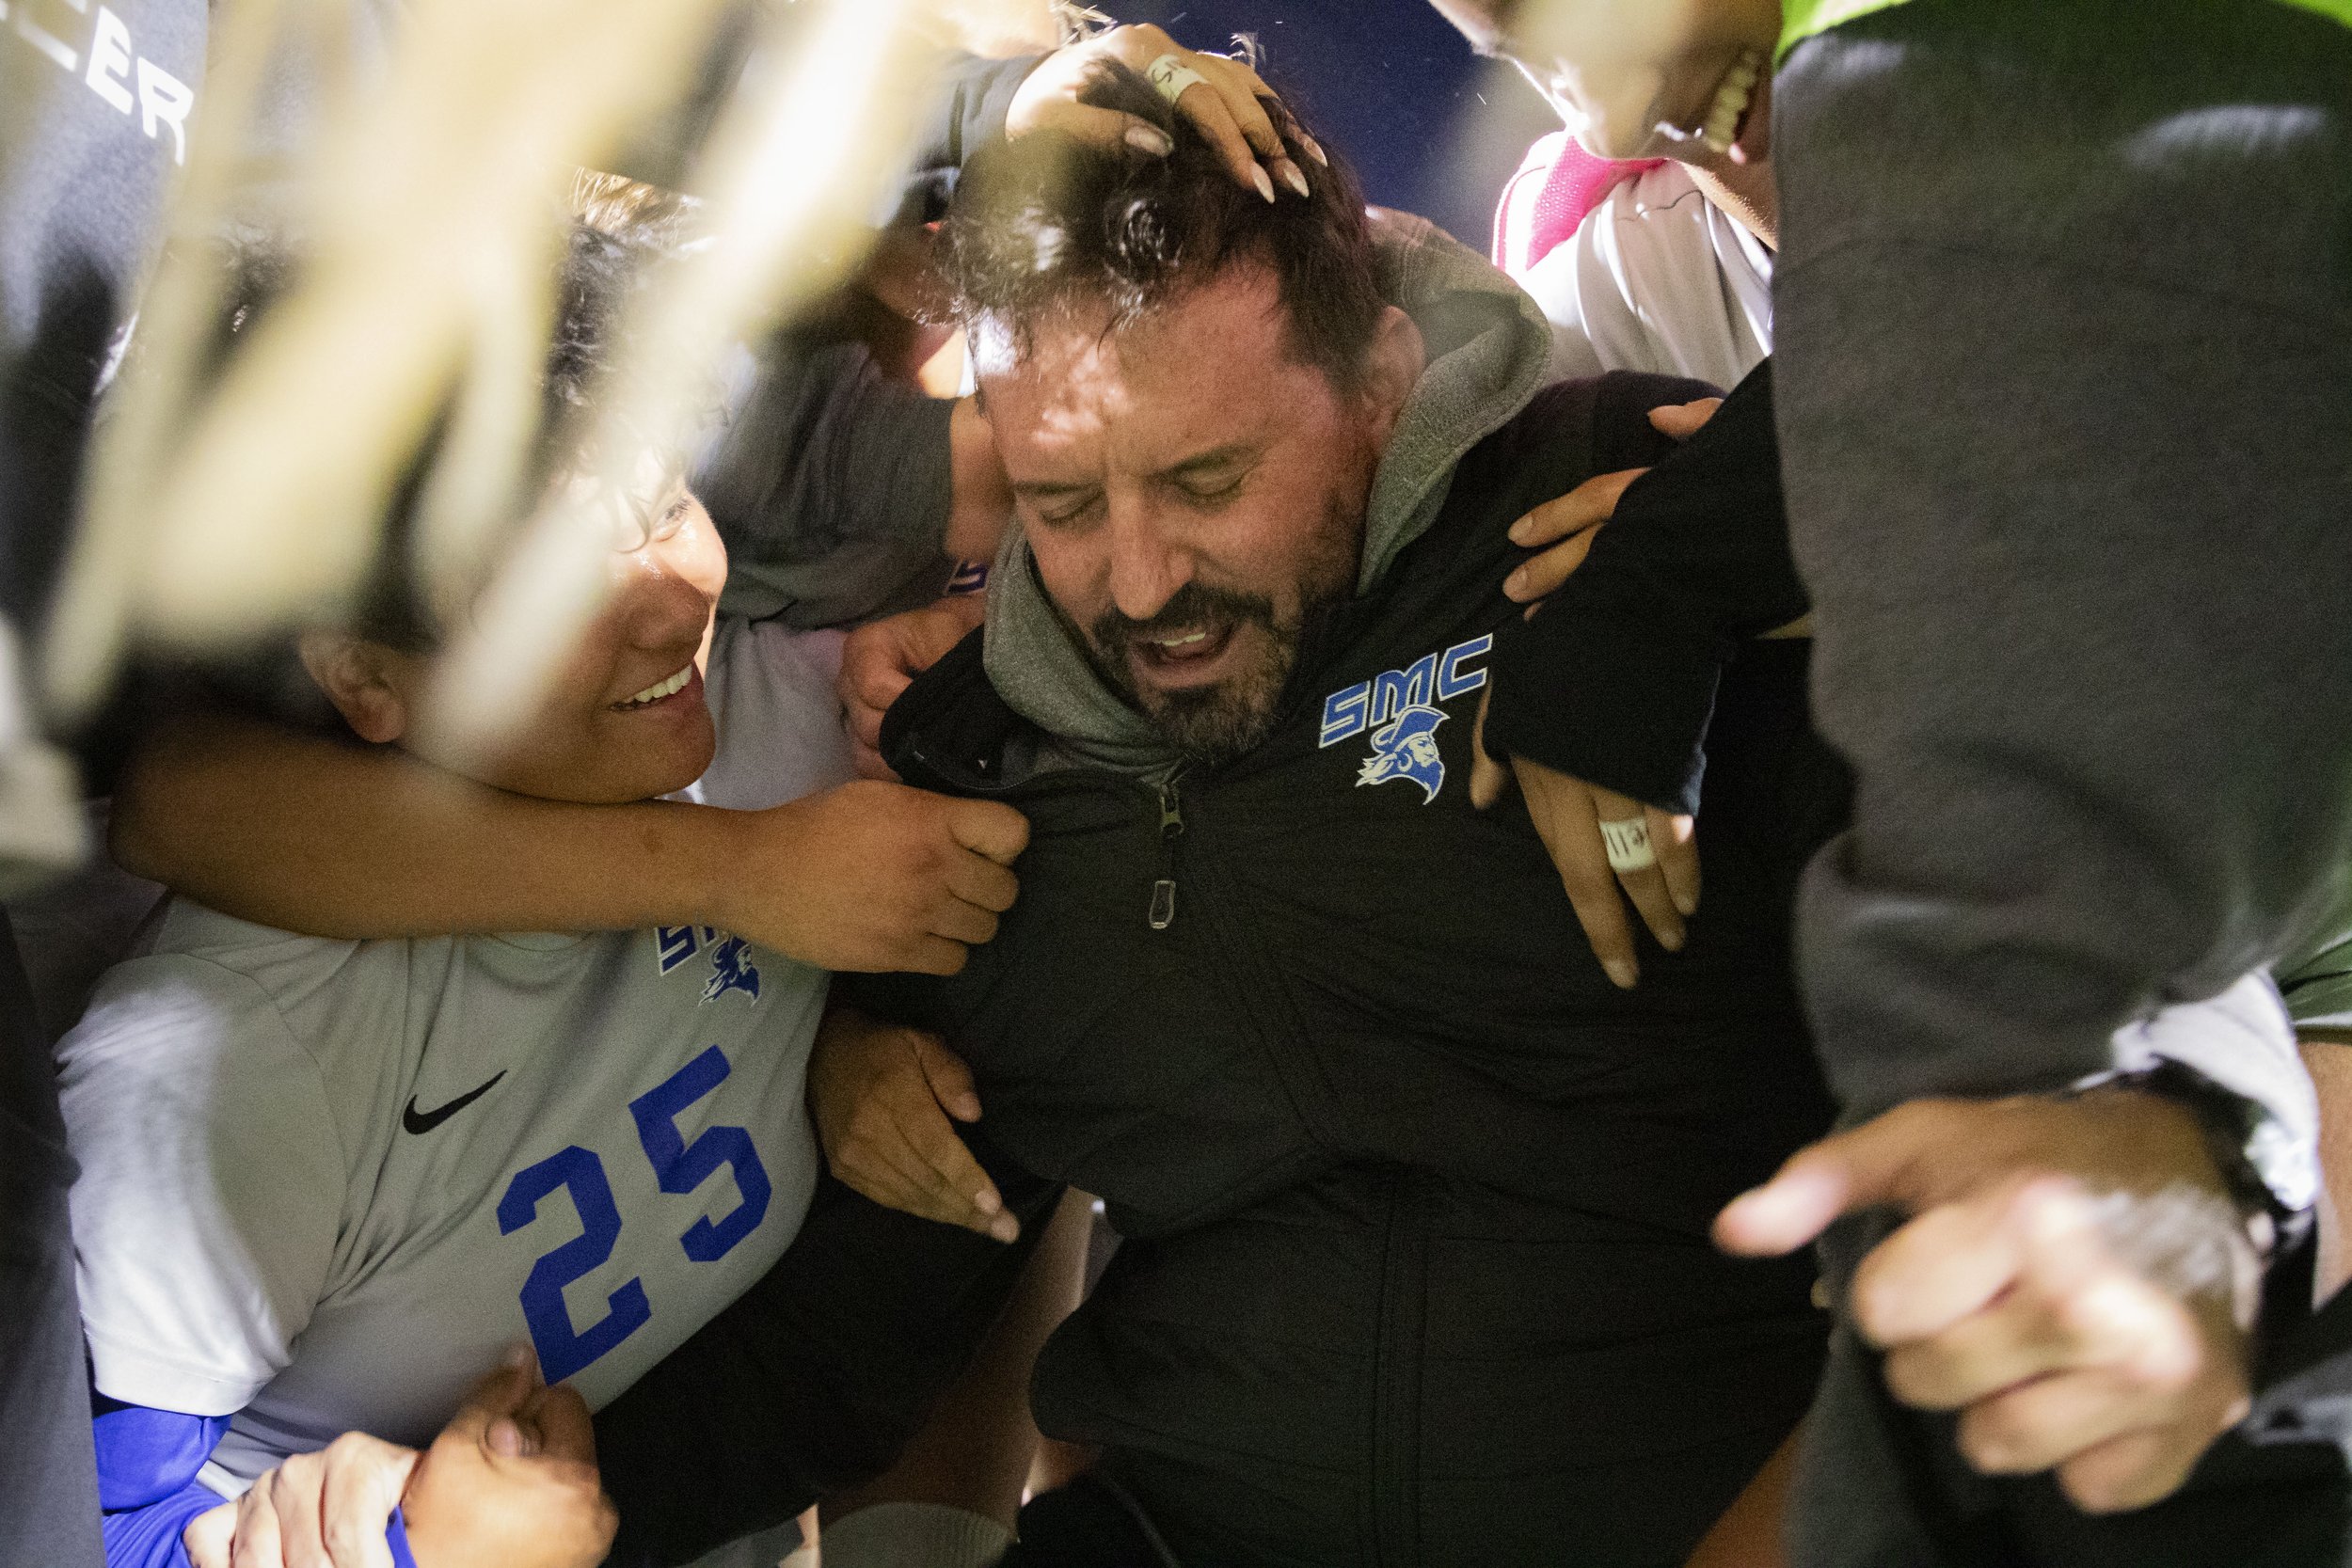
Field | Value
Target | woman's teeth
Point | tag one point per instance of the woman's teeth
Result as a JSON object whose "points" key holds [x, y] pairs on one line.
{"points": [[659, 690], [1722, 126]]}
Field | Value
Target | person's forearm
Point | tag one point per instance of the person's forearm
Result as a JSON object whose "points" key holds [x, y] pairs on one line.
{"points": [[315, 835], [2327, 1055], [1749, 1534]]}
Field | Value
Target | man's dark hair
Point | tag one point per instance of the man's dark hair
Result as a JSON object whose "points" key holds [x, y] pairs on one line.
{"points": [[1046, 221]]}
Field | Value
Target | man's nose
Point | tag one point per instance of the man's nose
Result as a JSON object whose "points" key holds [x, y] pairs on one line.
{"points": [[1146, 568]]}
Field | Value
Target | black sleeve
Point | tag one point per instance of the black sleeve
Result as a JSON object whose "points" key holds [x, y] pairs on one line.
{"points": [[1614, 681], [813, 1380], [969, 109], [831, 484]]}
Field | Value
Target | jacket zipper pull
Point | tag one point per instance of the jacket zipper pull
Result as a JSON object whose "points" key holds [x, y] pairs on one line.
{"points": [[1164, 890]]}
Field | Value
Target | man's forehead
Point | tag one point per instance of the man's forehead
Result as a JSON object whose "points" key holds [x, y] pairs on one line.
{"points": [[1216, 356]]}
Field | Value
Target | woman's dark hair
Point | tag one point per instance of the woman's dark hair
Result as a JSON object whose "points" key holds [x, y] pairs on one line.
{"points": [[1046, 222]]}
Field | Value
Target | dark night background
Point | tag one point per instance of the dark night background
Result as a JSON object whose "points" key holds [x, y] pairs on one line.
{"points": [[1429, 126]]}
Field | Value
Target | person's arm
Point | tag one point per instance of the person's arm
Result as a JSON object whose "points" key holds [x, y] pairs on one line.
{"points": [[195, 1271], [317, 835], [1613, 679], [1749, 1534], [814, 1381], [952, 1499], [2327, 1058], [1600, 697]]}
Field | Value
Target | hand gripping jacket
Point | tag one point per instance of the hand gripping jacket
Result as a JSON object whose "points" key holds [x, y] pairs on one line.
{"points": [[1415, 1202]]}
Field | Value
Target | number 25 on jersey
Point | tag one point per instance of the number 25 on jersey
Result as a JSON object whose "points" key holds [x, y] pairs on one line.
{"points": [[679, 1165]]}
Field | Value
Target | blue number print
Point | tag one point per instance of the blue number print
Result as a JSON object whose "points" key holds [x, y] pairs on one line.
{"points": [[681, 1166], [563, 1351]]}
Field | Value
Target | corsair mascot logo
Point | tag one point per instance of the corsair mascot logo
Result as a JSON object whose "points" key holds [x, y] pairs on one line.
{"points": [[730, 970], [1406, 748]]}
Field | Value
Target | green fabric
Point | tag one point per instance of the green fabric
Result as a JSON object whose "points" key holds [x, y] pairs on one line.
{"points": [[1801, 18], [2317, 980]]}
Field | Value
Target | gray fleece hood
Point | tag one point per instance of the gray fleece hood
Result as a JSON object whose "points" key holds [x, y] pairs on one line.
{"points": [[1489, 345]]}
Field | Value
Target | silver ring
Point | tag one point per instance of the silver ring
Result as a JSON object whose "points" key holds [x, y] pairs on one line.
{"points": [[1629, 845], [1170, 75]]}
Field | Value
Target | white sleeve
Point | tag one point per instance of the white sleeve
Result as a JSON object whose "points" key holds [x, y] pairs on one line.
{"points": [[2242, 1041], [212, 1184], [1639, 287]]}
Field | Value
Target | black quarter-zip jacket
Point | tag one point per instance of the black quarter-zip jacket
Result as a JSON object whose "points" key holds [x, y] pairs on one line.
{"points": [[1414, 1201]]}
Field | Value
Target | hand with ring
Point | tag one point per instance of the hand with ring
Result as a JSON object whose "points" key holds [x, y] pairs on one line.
{"points": [[1606, 847], [1224, 99]]}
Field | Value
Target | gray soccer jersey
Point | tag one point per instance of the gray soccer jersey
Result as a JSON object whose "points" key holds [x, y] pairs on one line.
{"points": [[325, 1183]]}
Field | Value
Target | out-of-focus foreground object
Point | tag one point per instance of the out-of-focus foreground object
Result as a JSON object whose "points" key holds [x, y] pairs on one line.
{"points": [[228, 499]]}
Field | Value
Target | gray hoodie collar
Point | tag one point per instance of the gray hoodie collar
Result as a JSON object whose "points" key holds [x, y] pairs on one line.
{"points": [[1489, 345]]}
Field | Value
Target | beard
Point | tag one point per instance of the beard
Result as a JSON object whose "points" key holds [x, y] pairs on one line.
{"points": [[1213, 725]]}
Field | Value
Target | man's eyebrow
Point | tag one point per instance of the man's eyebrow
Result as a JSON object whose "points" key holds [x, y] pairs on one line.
{"points": [[1049, 489], [1216, 458]]}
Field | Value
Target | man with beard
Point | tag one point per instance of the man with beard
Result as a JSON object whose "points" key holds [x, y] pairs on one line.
{"points": [[1415, 1266]]}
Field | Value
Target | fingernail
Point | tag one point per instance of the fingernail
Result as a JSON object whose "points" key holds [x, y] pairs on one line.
{"points": [[967, 1108], [987, 1202], [517, 1356], [1515, 586], [1005, 1227], [1622, 972], [1295, 177], [1686, 904], [1672, 939], [1519, 532], [1315, 148], [1149, 140], [1263, 181]]}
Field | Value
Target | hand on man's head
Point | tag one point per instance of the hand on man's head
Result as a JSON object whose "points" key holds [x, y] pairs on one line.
{"points": [[2074, 1278], [1226, 101]]}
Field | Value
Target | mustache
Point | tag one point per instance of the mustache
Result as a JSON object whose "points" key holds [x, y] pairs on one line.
{"points": [[1193, 607]]}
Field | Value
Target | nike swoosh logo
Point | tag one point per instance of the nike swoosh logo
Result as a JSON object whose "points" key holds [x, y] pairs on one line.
{"points": [[414, 1120]]}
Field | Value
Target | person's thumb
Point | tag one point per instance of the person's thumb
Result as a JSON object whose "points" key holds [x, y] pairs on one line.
{"points": [[209, 1537], [950, 1079], [1858, 1169], [1680, 419], [500, 1394], [565, 1428], [1099, 127]]}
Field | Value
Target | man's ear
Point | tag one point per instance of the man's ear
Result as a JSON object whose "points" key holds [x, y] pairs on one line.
{"points": [[359, 678], [1392, 368]]}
